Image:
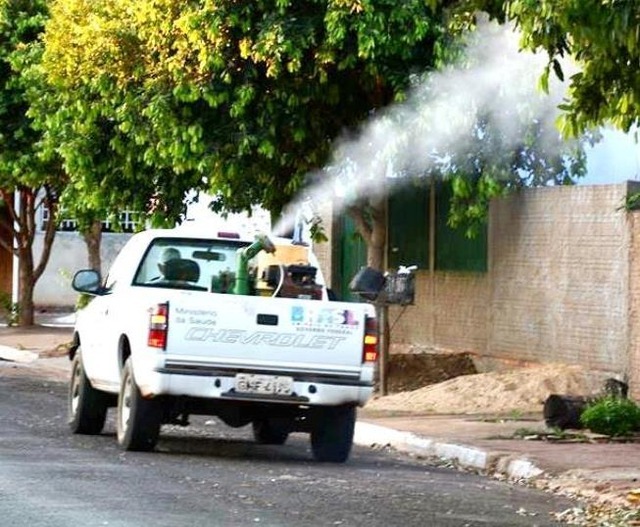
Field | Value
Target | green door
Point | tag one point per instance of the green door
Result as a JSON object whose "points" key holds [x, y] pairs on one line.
{"points": [[353, 255]]}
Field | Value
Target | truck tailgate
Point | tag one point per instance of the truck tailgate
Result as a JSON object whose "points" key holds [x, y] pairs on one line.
{"points": [[266, 333]]}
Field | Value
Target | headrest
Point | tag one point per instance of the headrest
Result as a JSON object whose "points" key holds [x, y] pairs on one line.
{"points": [[182, 270]]}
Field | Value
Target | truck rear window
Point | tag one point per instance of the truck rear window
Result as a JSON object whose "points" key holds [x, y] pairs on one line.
{"points": [[190, 264]]}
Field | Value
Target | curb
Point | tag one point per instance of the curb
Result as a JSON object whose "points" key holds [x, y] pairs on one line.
{"points": [[367, 434], [15, 355]]}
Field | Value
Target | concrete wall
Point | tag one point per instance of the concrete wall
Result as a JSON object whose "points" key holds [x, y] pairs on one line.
{"points": [[68, 255], [563, 285]]}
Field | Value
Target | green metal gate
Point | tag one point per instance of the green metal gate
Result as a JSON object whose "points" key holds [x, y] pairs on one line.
{"points": [[353, 255]]}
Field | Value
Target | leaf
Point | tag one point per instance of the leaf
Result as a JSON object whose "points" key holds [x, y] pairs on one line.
{"points": [[558, 70]]}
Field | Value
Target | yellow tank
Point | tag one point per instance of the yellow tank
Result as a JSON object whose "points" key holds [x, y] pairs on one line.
{"points": [[285, 255]]}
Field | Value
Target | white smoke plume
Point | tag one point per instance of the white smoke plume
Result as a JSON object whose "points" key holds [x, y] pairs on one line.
{"points": [[437, 119]]}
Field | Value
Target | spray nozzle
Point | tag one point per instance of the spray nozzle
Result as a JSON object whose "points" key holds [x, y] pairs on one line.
{"points": [[262, 243]]}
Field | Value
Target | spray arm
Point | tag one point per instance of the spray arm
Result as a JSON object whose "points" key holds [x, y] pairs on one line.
{"points": [[262, 243]]}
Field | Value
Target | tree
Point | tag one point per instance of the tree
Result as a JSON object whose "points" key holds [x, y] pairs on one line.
{"points": [[104, 178], [246, 98], [478, 122], [243, 99], [113, 158], [26, 172], [601, 36]]}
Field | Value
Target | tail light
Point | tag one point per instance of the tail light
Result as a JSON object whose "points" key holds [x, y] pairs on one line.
{"points": [[158, 325], [370, 347]]}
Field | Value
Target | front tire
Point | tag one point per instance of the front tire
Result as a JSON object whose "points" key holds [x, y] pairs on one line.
{"points": [[87, 407], [332, 434], [139, 419], [271, 431]]}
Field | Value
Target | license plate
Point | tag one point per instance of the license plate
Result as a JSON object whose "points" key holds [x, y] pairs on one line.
{"points": [[264, 384]]}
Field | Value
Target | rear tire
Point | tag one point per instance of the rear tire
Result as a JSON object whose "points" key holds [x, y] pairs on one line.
{"points": [[87, 407], [271, 431], [138, 419], [332, 434]]}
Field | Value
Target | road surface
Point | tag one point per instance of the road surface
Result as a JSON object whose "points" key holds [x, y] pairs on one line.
{"points": [[213, 475]]}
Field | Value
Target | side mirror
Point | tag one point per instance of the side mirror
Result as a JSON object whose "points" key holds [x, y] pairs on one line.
{"points": [[87, 281]]}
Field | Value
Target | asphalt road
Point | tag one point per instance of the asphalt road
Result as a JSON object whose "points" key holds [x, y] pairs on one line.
{"points": [[212, 475]]}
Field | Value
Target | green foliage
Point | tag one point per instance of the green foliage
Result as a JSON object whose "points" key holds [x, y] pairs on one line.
{"points": [[21, 158], [27, 168], [612, 416], [601, 36], [100, 132], [316, 230], [631, 202], [9, 308], [241, 99], [83, 301]]}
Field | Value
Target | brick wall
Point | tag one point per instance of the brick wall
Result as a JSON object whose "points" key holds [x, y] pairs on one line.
{"points": [[450, 313], [563, 286], [559, 269], [412, 327], [556, 290]]}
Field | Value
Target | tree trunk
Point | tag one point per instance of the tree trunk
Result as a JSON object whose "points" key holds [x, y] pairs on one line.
{"points": [[93, 238], [371, 222], [26, 316], [23, 226]]}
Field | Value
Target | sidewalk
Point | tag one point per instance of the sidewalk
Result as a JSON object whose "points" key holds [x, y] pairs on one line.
{"points": [[601, 472]]}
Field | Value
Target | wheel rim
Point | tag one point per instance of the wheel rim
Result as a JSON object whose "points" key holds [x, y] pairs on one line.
{"points": [[75, 390], [125, 406]]}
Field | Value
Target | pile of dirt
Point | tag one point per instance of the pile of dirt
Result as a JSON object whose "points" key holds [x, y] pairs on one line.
{"points": [[411, 371], [523, 391]]}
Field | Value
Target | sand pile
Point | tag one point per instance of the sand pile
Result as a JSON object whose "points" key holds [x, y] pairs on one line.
{"points": [[523, 390]]}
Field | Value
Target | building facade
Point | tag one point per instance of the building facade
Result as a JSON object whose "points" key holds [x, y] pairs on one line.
{"points": [[561, 284]]}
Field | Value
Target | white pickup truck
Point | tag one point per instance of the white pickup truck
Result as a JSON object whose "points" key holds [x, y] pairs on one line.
{"points": [[186, 323]]}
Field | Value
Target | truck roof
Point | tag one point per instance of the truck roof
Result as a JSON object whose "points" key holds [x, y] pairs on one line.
{"points": [[197, 230]]}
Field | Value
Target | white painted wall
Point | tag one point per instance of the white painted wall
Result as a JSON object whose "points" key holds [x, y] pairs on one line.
{"points": [[68, 255], [69, 252]]}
